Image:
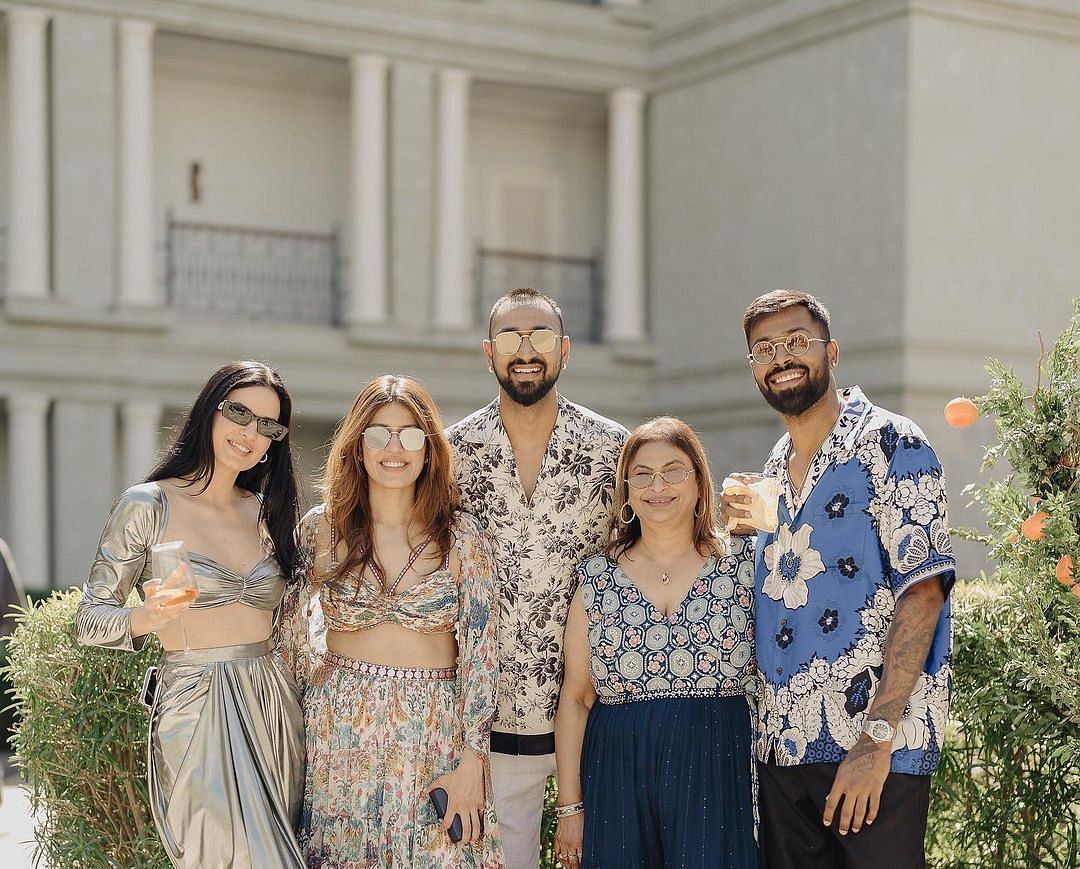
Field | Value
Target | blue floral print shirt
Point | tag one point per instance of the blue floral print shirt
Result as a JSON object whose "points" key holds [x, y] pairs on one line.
{"points": [[870, 522]]}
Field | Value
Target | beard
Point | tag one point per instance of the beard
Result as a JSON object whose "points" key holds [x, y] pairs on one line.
{"points": [[528, 394], [796, 401]]}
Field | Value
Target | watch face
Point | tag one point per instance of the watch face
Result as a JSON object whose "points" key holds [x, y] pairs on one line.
{"points": [[879, 731]]}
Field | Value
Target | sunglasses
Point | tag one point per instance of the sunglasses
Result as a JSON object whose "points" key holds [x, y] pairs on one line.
{"points": [[411, 438], [542, 341], [796, 344], [234, 411], [672, 477]]}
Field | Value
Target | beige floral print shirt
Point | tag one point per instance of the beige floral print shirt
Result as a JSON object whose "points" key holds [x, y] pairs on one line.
{"points": [[538, 543]]}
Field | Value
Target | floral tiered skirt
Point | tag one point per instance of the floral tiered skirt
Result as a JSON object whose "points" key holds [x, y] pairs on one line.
{"points": [[377, 737]]}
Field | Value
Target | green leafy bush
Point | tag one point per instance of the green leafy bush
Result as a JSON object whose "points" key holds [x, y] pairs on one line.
{"points": [[80, 739], [1008, 793]]}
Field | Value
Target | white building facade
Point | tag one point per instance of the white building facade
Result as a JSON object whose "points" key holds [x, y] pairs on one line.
{"points": [[343, 188]]}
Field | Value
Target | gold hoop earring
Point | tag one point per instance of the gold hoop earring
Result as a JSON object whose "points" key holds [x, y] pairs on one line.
{"points": [[633, 515], [697, 512]]}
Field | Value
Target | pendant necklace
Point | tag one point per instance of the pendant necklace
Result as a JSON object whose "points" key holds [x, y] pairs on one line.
{"points": [[665, 576]]}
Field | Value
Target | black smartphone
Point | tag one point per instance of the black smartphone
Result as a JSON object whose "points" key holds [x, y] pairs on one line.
{"points": [[149, 687], [439, 799]]}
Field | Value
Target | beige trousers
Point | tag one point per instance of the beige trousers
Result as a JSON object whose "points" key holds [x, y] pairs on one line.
{"points": [[518, 782]]}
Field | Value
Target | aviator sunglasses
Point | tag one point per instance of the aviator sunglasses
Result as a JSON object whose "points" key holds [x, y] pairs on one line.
{"points": [[542, 340], [234, 411], [796, 344], [672, 477], [411, 438]]}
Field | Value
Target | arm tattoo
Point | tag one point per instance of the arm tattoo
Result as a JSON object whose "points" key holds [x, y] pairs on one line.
{"points": [[910, 635]]}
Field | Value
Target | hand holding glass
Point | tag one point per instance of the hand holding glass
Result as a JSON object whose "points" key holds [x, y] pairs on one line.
{"points": [[764, 494], [177, 586]]}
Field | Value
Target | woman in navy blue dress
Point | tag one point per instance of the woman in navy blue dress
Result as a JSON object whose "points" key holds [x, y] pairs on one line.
{"points": [[653, 732]]}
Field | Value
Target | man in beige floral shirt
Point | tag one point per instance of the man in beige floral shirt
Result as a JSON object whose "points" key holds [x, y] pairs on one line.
{"points": [[539, 472]]}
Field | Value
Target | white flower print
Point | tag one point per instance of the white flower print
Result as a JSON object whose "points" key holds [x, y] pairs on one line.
{"points": [[912, 731], [923, 512], [791, 562], [907, 493], [908, 548], [930, 487], [792, 743]]}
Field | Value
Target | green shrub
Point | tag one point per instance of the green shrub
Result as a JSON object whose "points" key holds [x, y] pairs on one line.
{"points": [[80, 739], [1008, 793]]}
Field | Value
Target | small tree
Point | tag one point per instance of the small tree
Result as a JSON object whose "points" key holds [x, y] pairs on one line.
{"points": [[80, 740], [1009, 791]]}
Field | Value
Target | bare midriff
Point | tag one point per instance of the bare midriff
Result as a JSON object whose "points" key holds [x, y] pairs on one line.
{"points": [[231, 624], [395, 646]]}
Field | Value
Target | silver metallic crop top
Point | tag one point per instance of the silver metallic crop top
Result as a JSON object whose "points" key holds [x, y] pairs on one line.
{"points": [[137, 521]]}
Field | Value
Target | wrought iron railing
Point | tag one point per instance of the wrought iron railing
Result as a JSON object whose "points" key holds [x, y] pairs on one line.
{"points": [[576, 282], [256, 274]]}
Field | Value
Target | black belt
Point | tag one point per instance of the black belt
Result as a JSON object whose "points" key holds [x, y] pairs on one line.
{"points": [[531, 744]]}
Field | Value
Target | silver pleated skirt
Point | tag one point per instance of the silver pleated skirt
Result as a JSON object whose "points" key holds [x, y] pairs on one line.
{"points": [[226, 760]]}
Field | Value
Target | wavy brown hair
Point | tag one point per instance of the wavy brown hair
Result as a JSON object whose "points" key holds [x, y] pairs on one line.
{"points": [[668, 430], [344, 484]]}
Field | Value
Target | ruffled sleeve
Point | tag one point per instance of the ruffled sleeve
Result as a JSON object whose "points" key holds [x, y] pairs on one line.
{"points": [[300, 624], [135, 524], [477, 622]]}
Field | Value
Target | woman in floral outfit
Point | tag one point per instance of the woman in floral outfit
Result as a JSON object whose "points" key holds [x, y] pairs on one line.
{"points": [[401, 699]]}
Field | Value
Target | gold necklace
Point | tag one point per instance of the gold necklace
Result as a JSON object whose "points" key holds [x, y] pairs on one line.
{"points": [[665, 575]]}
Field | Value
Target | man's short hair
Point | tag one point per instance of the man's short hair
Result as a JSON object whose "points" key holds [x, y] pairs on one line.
{"points": [[523, 296], [778, 300]]}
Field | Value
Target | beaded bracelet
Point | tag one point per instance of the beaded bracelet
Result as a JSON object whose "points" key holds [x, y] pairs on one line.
{"points": [[568, 811]]}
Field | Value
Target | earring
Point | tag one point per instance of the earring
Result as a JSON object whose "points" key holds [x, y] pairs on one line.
{"points": [[265, 456], [491, 369], [633, 515], [697, 512], [564, 366]]}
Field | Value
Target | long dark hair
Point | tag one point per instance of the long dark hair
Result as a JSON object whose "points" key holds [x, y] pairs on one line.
{"points": [[191, 455], [673, 431], [345, 484]]}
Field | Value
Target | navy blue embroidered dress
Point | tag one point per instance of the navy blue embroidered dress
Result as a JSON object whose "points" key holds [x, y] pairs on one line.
{"points": [[667, 760]]}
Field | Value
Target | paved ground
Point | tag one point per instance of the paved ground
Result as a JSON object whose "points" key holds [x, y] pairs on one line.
{"points": [[16, 827]]}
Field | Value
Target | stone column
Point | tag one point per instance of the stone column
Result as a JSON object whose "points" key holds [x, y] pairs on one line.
{"points": [[27, 154], [140, 420], [137, 283], [624, 300], [366, 301], [453, 293], [29, 481]]}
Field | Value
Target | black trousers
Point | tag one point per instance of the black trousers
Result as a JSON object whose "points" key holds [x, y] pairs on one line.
{"points": [[792, 801]]}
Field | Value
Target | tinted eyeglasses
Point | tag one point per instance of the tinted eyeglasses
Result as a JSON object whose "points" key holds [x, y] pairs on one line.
{"points": [[672, 477], [796, 344], [542, 340], [234, 411], [411, 438]]}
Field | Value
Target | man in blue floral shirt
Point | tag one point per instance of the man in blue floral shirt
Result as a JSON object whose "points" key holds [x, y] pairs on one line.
{"points": [[853, 627]]}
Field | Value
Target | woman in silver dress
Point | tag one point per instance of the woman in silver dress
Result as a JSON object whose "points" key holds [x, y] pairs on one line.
{"points": [[226, 744]]}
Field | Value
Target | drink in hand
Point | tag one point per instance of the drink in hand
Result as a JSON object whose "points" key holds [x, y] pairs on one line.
{"points": [[764, 503], [172, 564]]}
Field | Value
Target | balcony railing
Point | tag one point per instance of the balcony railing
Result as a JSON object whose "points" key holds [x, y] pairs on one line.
{"points": [[575, 282], [255, 274]]}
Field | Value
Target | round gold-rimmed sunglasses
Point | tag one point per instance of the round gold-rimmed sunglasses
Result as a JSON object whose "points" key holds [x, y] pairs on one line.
{"points": [[234, 411], [411, 438], [542, 341], [672, 477], [796, 344]]}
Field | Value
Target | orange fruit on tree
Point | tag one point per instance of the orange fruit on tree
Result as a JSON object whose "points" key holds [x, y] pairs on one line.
{"points": [[961, 412], [1033, 526], [1064, 570]]}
